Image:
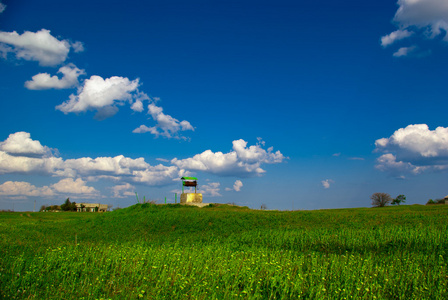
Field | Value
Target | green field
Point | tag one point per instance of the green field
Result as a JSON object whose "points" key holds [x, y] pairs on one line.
{"points": [[177, 252]]}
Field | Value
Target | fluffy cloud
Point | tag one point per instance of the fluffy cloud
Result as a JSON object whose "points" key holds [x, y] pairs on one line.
{"points": [[426, 18], [211, 189], [236, 186], [118, 165], [123, 190], [428, 14], [101, 95], [2, 7], [38, 46], [157, 175], [78, 46], [23, 189], [20, 154], [166, 126], [120, 168], [413, 149], [388, 163], [243, 161], [44, 81], [20, 143], [105, 95], [24, 164], [70, 186], [395, 36], [326, 183]]}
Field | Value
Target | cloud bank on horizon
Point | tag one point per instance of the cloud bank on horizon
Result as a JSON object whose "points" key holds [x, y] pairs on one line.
{"points": [[19, 154]]}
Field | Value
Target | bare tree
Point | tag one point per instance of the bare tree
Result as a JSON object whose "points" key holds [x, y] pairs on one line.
{"points": [[380, 199]]}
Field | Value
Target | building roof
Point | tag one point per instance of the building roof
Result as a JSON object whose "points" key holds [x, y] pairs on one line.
{"points": [[89, 205]]}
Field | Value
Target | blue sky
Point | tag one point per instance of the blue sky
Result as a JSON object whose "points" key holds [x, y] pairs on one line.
{"points": [[290, 104]]}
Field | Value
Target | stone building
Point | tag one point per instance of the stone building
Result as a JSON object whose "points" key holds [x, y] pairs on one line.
{"points": [[91, 207]]}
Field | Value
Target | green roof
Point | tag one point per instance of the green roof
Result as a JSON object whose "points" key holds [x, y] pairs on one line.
{"points": [[189, 178]]}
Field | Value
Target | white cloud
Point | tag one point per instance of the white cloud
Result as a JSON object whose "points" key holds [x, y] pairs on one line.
{"points": [[144, 129], [38, 46], [25, 164], [326, 183], [211, 189], [422, 18], [2, 7], [20, 154], [70, 186], [20, 143], [101, 95], [242, 161], [123, 190], [395, 36], [105, 95], [404, 51], [413, 149], [236, 186], [428, 14], [24, 189], [157, 175], [140, 97], [118, 165], [166, 126], [65, 186], [44, 81], [137, 106], [388, 163], [78, 46]]}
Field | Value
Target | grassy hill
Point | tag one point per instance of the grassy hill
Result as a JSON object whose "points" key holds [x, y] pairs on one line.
{"points": [[226, 252]]}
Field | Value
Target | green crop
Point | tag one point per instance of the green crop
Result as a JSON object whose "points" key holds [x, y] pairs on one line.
{"points": [[178, 252]]}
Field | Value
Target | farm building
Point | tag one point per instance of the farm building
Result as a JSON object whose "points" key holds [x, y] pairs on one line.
{"points": [[91, 207]]}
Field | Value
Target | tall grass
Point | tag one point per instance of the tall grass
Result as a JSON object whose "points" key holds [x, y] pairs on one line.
{"points": [[176, 252]]}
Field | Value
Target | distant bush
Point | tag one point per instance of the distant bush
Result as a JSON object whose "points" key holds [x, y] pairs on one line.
{"points": [[435, 202]]}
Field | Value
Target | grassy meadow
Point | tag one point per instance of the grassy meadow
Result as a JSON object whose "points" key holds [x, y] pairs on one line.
{"points": [[178, 252]]}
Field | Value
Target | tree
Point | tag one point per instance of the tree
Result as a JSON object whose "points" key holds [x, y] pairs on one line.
{"points": [[380, 199], [67, 206], [398, 200]]}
